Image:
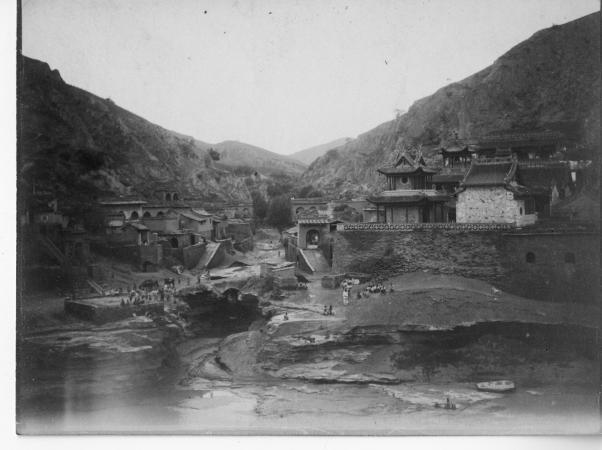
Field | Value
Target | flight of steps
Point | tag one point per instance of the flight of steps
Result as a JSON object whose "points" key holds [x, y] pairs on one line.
{"points": [[313, 261]]}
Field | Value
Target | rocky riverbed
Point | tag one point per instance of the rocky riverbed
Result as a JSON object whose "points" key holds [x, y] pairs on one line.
{"points": [[375, 366]]}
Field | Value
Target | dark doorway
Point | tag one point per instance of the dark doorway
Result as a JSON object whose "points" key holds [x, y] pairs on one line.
{"points": [[313, 238], [174, 242]]}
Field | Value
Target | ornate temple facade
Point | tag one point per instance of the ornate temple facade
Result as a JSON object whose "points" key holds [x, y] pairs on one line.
{"points": [[410, 197]]}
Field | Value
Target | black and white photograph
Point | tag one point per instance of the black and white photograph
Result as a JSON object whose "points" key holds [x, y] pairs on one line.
{"points": [[304, 217]]}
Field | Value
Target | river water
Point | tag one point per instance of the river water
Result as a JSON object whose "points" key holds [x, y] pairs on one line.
{"points": [[125, 380]]}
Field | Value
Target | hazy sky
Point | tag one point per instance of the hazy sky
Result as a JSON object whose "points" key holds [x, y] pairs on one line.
{"points": [[283, 75]]}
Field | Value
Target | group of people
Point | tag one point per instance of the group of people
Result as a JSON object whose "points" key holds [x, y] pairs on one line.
{"points": [[374, 287], [328, 311], [136, 296]]}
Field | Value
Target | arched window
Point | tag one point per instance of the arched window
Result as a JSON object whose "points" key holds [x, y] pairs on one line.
{"points": [[569, 258], [146, 214], [521, 211], [530, 257], [404, 180], [160, 214], [134, 215], [299, 210], [168, 197], [175, 197], [174, 242]]}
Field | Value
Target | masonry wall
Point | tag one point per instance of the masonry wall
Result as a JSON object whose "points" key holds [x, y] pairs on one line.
{"points": [[161, 224], [473, 255], [306, 228], [498, 257], [551, 274], [487, 205], [191, 255]]}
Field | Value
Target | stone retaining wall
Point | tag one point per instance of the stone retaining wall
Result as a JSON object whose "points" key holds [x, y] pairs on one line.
{"points": [[493, 255], [468, 254]]}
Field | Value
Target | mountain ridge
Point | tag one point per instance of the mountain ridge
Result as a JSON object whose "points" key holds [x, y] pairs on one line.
{"points": [[77, 147], [549, 81], [310, 154]]}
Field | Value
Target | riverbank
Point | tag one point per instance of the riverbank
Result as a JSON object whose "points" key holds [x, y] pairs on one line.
{"points": [[372, 367]]}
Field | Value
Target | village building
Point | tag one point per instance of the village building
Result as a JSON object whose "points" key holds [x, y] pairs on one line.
{"points": [[524, 145], [309, 206], [540, 161], [198, 222], [410, 197], [131, 233], [491, 193], [161, 209], [121, 209], [162, 223], [219, 228], [166, 193], [311, 231]]}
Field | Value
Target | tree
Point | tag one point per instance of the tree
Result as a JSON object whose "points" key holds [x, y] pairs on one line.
{"points": [[214, 154], [310, 192], [279, 212], [260, 205]]}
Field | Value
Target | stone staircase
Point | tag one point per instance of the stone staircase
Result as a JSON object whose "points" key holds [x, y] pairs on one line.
{"points": [[207, 259], [313, 261]]}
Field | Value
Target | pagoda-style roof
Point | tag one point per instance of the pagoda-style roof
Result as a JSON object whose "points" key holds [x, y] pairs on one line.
{"points": [[405, 170], [409, 196], [541, 177], [455, 149], [490, 173]]}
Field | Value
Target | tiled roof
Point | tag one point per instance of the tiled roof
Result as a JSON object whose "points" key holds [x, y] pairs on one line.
{"points": [[315, 220], [405, 170], [541, 178], [192, 216], [497, 173], [455, 148]]}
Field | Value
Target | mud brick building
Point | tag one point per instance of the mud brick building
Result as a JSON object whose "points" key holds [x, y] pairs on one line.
{"points": [[491, 193]]}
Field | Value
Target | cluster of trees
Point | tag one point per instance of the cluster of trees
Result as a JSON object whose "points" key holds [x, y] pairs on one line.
{"points": [[276, 211], [347, 213], [309, 192]]}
